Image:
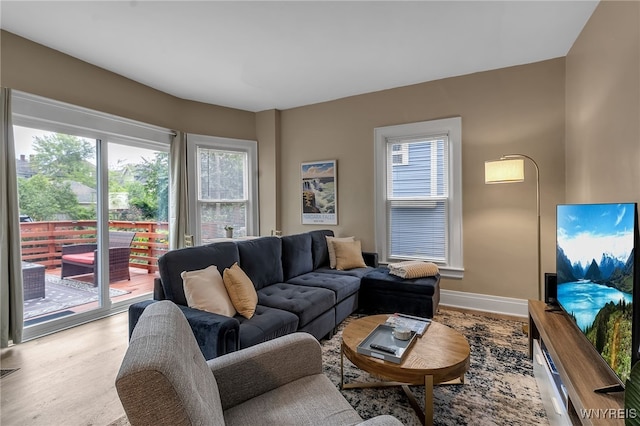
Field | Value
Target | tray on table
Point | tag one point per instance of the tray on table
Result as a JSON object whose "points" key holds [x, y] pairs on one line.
{"points": [[383, 335]]}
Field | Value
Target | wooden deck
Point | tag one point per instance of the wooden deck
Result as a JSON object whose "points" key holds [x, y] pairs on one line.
{"points": [[141, 283]]}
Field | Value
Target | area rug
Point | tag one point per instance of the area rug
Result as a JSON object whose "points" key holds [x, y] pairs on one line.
{"points": [[63, 293], [499, 387]]}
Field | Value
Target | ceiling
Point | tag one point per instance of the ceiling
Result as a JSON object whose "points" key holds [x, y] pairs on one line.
{"points": [[262, 55]]}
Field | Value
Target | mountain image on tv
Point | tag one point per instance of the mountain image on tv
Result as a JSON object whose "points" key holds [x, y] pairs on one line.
{"points": [[595, 273]]}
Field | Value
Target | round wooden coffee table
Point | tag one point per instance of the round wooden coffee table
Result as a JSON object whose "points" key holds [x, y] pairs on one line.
{"points": [[441, 355]]}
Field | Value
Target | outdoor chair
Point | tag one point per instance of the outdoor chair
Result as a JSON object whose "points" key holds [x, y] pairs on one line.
{"points": [[80, 259]]}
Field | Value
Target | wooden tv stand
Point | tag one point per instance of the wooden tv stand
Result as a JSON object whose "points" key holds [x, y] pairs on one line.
{"points": [[580, 368]]}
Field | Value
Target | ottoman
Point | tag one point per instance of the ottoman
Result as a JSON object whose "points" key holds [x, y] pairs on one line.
{"points": [[382, 293], [32, 280]]}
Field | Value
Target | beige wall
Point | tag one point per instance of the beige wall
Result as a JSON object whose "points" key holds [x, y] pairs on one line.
{"points": [[36, 69], [512, 110], [268, 131], [603, 107]]}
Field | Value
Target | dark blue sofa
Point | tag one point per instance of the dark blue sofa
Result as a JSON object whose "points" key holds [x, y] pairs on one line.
{"points": [[297, 290]]}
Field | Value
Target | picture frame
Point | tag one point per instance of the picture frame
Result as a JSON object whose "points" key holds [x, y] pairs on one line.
{"points": [[318, 192]]}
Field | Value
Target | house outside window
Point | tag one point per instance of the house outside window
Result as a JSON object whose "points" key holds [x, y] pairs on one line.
{"points": [[418, 194]]}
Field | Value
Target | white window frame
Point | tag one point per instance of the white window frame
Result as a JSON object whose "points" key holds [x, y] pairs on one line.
{"points": [[225, 144], [453, 266]]}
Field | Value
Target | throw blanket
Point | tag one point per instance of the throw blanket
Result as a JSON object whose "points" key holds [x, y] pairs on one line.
{"points": [[413, 269]]}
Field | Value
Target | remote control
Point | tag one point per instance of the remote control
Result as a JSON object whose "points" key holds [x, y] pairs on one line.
{"points": [[383, 348]]}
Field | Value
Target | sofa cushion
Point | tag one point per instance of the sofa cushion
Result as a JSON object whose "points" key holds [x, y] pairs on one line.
{"points": [[348, 255], [87, 258], [356, 272], [331, 248], [342, 285], [297, 258], [174, 262], [266, 324], [306, 302], [261, 260], [311, 400], [319, 247], [241, 291], [205, 290]]}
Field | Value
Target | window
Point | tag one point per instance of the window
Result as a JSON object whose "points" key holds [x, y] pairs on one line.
{"points": [[224, 185], [418, 193]]}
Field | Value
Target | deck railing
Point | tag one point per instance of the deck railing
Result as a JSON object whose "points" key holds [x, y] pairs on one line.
{"points": [[42, 242]]}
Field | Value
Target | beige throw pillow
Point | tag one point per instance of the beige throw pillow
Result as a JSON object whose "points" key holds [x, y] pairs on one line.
{"points": [[348, 255], [241, 290], [332, 252], [205, 290]]}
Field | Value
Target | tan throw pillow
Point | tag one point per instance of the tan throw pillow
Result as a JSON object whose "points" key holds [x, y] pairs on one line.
{"points": [[205, 290], [332, 252], [241, 291], [348, 255]]}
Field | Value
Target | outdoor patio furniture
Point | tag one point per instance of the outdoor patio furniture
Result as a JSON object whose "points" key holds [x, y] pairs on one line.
{"points": [[79, 259], [32, 280]]}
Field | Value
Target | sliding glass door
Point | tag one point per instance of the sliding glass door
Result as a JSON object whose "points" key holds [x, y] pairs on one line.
{"points": [[94, 205], [58, 198]]}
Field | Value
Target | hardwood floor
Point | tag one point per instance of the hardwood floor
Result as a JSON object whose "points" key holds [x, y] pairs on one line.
{"points": [[67, 378]]}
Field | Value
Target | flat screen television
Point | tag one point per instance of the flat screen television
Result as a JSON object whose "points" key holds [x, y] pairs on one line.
{"points": [[597, 279]]}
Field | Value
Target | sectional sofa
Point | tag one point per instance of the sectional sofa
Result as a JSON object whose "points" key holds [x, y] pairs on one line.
{"points": [[296, 288]]}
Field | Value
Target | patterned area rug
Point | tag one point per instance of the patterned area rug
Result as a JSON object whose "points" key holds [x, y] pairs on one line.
{"points": [[61, 294], [499, 387]]}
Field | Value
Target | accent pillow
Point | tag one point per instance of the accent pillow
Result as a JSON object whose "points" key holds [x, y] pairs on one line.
{"points": [[241, 290], [205, 290], [348, 255], [332, 252]]}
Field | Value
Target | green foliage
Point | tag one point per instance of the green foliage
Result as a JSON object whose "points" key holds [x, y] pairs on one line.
{"points": [[149, 193], [43, 199], [64, 157]]}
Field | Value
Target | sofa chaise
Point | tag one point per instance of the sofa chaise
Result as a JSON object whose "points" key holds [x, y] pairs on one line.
{"points": [[297, 289], [165, 380]]}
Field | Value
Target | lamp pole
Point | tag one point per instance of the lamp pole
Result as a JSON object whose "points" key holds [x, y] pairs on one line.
{"points": [[509, 156]]}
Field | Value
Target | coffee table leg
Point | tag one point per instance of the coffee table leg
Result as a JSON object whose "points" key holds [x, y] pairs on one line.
{"points": [[428, 400], [341, 367]]}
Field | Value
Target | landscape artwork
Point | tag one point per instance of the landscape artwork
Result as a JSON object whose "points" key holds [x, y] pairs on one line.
{"points": [[319, 193], [594, 263]]}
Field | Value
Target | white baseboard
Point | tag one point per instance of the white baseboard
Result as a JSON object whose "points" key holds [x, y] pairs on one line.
{"points": [[485, 303]]}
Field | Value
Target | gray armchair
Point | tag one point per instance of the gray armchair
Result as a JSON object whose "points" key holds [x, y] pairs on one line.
{"points": [[165, 380]]}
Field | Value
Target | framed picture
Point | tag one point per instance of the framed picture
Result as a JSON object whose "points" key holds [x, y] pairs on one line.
{"points": [[319, 193]]}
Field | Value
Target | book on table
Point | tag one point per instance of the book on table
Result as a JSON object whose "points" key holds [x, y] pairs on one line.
{"points": [[417, 324]]}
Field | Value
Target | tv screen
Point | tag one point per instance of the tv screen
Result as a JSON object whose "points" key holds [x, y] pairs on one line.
{"points": [[596, 277]]}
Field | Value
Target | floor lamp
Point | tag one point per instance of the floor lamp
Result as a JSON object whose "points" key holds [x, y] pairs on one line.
{"points": [[510, 169]]}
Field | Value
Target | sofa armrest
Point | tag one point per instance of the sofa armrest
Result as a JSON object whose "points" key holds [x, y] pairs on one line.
{"points": [[216, 334], [158, 290], [370, 258], [266, 366]]}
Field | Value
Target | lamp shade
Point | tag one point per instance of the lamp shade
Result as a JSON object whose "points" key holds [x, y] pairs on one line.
{"points": [[504, 171]]}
